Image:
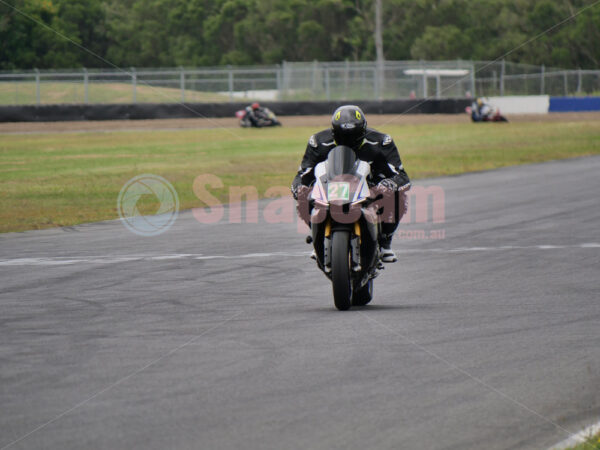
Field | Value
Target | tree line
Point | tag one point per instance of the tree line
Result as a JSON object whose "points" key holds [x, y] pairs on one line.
{"points": [[155, 33]]}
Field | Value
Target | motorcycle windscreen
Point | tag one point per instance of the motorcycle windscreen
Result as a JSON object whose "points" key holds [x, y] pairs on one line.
{"points": [[340, 161]]}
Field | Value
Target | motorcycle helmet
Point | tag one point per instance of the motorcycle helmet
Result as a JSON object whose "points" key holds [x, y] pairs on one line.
{"points": [[255, 106], [349, 126]]}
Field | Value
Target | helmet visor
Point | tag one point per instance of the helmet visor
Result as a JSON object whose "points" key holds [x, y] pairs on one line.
{"points": [[349, 136]]}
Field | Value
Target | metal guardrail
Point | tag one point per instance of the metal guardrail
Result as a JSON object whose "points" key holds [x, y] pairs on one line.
{"points": [[294, 81]]}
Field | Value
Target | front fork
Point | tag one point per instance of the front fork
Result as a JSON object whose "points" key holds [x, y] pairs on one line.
{"points": [[355, 241]]}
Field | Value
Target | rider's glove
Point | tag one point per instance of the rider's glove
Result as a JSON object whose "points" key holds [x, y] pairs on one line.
{"points": [[388, 183], [405, 187], [299, 191]]}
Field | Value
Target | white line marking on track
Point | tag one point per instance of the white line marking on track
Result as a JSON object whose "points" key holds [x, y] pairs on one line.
{"points": [[590, 245], [110, 259], [166, 257]]}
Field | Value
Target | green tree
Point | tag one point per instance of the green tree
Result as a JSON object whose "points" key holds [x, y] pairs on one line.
{"points": [[212, 32], [28, 41], [83, 21], [445, 42]]}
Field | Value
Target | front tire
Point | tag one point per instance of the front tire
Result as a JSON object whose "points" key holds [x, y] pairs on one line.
{"points": [[340, 270]]}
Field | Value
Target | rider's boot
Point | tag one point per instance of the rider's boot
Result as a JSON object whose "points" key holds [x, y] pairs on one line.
{"points": [[385, 246]]}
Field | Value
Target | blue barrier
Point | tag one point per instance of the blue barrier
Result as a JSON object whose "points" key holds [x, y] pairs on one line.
{"points": [[567, 104]]}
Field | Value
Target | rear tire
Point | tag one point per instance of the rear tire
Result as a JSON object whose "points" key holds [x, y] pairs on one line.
{"points": [[364, 295], [340, 270]]}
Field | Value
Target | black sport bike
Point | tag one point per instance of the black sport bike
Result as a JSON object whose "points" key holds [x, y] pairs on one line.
{"points": [[345, 218]]}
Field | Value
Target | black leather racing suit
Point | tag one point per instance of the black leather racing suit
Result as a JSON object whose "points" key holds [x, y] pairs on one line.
{"points": [[254, 116], [260, 117], [378, 150]]}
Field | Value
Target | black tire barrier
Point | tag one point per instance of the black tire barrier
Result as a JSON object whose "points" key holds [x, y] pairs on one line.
{"points": [[139, 111]]}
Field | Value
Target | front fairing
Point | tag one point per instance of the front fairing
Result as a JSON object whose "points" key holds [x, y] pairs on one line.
{"points": [[341, 179]]}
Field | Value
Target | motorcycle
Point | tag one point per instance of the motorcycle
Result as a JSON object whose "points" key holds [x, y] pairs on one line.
{"points": [[488, 113], [266, 118], [345, 226]]}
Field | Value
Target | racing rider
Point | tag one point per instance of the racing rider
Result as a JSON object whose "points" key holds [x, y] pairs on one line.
{"points": [[349, 128]]}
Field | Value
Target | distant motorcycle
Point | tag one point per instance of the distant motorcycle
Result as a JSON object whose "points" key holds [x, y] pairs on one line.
{"points": [[345, 225], [264, 118], [481, 111]]}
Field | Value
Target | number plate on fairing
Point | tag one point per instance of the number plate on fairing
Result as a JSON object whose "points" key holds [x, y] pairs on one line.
{"points": [[338, 191]]}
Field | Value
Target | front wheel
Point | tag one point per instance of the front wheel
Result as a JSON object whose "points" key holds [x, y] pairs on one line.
{"points": [[340, 270]]}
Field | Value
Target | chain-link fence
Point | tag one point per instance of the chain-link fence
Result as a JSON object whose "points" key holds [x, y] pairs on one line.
{"points": [[295, 81]]}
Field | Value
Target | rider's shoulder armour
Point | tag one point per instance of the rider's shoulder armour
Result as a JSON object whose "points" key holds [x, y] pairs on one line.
{"points": [[322, 138], [375, 137]]}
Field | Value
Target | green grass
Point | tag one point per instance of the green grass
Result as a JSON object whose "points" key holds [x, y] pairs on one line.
{"points": [[49, 180], [591, 443], [23, 93]]}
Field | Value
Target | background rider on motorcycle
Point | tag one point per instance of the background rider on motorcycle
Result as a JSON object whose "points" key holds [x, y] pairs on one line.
{"points": [[480, 110], [256, 115], [349, 128]]}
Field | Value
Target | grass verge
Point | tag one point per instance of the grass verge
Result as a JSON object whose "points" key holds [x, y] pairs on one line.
{"points": [[49, 180], [591, 443], [24, 93]]}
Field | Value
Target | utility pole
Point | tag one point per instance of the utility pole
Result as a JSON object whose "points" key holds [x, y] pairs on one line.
{"points": [[379, 49]]}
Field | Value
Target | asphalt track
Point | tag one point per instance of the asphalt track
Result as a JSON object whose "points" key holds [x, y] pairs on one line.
{"points": [[224, 336]]}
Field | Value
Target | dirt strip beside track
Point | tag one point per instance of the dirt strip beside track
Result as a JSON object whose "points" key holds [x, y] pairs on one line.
{"points": [[289, 121]]}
